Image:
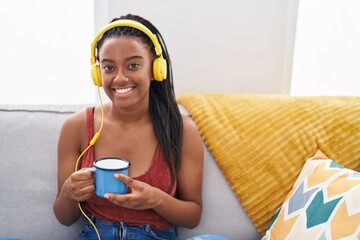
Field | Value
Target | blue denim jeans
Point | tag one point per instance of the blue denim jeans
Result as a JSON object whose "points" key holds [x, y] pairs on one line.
{"points": [[122, 231]]}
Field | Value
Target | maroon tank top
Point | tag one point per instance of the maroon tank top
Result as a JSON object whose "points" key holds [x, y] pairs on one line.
{"points": [[158, 175]]}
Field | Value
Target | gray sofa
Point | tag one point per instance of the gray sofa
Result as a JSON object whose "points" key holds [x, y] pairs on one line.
{"points": [[28, 146]]}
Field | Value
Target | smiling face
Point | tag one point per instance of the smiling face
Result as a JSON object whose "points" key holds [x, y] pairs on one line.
{"points": [[126, 71]]}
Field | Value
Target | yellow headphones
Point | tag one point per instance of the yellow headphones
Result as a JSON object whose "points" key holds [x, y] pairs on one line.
{"points": [[159, 63]]}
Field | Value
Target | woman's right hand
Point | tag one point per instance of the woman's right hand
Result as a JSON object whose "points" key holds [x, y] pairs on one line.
{"points": [[79, 186]]}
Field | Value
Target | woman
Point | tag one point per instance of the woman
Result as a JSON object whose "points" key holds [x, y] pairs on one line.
{"points": [[142, 124]]}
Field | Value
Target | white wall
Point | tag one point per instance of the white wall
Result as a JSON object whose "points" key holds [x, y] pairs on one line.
{"points": [[327, 48], [215, 46], [45, 48], [220, 46]]}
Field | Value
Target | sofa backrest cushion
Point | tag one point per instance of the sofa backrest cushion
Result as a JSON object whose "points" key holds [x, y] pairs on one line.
{"points": [[28, 172]]}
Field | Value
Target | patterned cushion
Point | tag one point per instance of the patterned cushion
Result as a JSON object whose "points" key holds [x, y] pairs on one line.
{"points": [[324, 203]]}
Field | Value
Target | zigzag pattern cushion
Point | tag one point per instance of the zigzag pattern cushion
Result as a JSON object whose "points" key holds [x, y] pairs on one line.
{"points": [[324, 203]]}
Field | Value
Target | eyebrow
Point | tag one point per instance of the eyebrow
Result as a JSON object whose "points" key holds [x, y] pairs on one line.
{"points": [[127, 59]]}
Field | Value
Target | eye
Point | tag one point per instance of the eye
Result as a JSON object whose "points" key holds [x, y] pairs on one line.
{"points": [[108, 68], [134, 66]]}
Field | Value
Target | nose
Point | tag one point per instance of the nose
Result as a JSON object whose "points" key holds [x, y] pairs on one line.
{"points": [[120, 77]]}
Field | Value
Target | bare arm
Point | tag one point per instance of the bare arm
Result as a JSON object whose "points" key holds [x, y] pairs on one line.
{"points": [[186, 210], [73, 187]]}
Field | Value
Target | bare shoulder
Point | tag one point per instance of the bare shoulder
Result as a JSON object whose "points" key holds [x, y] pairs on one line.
{"points": [[192, 140], [75, 120], [189, 124], [73, 127]]}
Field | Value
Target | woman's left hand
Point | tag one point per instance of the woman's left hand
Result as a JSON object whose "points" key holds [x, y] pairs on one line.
{"points": [[142, 195]]}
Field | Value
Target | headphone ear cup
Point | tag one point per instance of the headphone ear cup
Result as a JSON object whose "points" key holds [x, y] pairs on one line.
{"points": [[96, 75], [159, 69]]}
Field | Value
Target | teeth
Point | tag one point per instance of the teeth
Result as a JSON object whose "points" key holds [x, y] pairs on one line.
{"points": [[125, 90]]}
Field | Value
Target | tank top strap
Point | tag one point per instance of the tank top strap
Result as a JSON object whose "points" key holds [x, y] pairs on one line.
{"points": [[89, 123], [88, 157]]}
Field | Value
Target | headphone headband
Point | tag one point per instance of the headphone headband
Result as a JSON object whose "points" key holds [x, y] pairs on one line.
{"points": [[125, 23], [159, 64]]}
